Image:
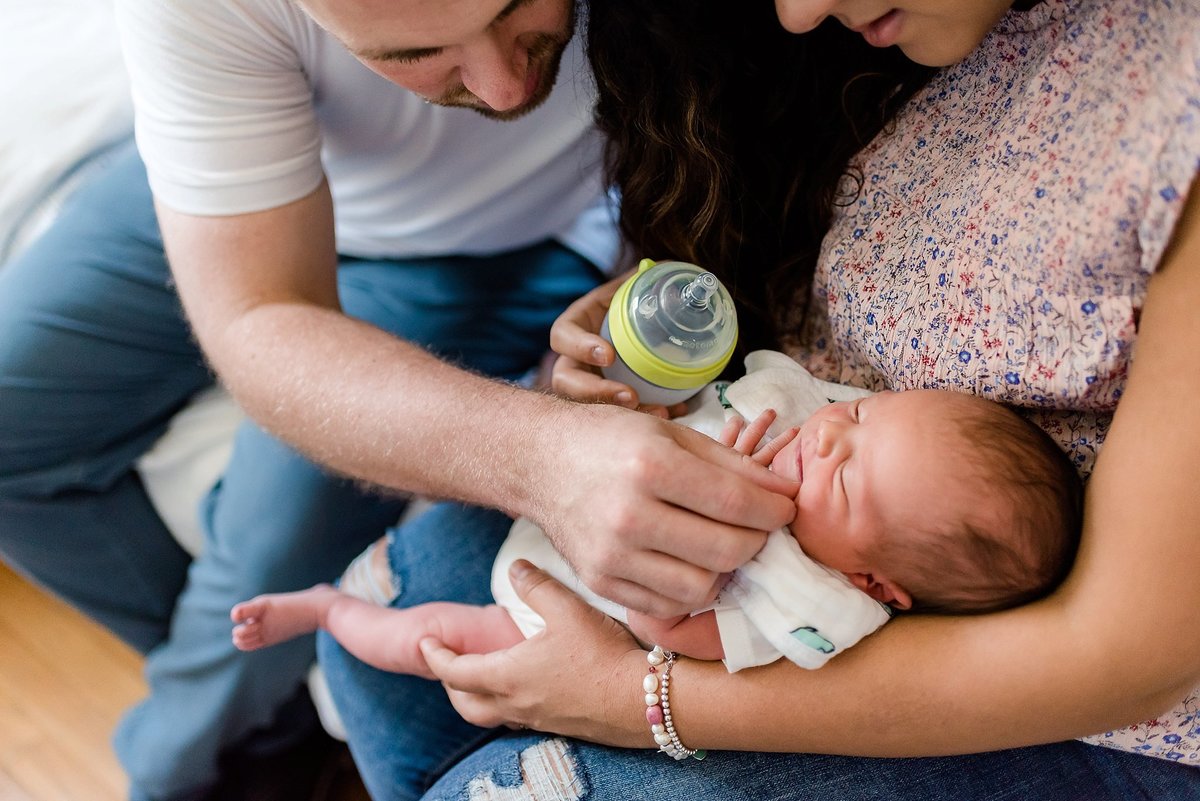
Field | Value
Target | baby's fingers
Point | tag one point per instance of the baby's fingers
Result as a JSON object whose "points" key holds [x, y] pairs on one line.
{"points": [[732, 430], [767, 453]]}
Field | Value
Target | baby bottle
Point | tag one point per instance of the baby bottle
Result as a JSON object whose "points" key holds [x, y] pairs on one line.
{"points": [[673, 327]]}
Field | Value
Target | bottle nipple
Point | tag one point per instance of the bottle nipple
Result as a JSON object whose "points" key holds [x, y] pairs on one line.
{"points": [[697, 293]]}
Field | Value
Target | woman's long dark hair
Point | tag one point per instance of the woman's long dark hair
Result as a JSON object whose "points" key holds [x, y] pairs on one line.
{"points": [[729, 137]]}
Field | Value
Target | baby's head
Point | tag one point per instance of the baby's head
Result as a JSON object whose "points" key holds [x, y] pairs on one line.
{"points": [[934, 501]]}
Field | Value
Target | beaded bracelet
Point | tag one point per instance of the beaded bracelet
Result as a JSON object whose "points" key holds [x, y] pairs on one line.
{"points": [[658, 707]]}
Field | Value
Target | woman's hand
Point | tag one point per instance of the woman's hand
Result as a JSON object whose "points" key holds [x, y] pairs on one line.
{"points": [[582, 351], [580, 677]]}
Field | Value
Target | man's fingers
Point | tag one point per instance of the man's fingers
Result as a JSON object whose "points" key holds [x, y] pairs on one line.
{"points": [[686, 551], [665, 584], [723, 485]]}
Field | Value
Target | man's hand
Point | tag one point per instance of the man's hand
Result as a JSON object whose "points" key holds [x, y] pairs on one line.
{"points": [[648, 512]]}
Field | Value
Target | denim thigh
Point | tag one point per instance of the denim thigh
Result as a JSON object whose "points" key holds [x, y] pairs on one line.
{"points": [[489, 314], [529, 767], [95, 358]]}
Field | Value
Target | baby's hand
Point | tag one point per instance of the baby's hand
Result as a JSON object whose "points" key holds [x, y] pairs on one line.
{"points": [[745, 439]]}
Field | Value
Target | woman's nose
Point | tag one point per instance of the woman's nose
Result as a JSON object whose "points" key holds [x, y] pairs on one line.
{"points": [[496, 72], [801, 16]]}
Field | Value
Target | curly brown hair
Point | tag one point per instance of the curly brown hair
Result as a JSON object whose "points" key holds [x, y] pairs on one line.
{"points": [[728, 137]]}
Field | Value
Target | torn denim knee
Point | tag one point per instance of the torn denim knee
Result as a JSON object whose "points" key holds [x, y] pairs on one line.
{"points": [[548, 773], [370, 576]]}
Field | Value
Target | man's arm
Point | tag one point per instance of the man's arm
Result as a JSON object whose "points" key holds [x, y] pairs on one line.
{"points": [[613, 489], [260, 291]]}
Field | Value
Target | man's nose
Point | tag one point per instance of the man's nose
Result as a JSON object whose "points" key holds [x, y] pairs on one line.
{"points": [[496, 72], [801, 16]]}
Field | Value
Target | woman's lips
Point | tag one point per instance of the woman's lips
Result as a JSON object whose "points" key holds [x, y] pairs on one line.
{"points": [[884, 31]]}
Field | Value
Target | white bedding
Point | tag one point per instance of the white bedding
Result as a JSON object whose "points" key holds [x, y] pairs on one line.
{"points": [[65, 99]]}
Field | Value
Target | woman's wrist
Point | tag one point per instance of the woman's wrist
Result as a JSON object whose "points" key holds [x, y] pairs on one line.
{"points": [[656, 686], [626, 717]]}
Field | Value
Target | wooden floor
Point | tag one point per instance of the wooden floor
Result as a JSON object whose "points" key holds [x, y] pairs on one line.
{"points": [[64, 682]]}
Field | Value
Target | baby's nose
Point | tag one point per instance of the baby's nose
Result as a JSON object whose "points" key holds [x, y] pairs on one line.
{"points": [[828, 434]]}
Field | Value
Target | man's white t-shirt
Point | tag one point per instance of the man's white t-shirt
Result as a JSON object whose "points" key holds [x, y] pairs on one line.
{"points": [[243, 105]]}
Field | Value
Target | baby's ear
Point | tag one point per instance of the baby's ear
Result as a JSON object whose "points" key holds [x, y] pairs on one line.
{"points": [[882, 589]]}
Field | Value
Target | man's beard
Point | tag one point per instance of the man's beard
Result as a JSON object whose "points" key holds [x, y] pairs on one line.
{"points": [[545, 56]]}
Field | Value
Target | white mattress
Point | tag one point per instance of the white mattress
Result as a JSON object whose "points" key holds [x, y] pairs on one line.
{"points": [[65, 99]]}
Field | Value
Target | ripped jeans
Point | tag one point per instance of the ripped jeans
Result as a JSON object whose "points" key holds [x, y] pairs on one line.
{"points": [[410, 744]]}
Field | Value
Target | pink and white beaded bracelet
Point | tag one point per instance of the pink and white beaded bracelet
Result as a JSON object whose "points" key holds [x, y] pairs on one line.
{"points": [[658, 707]]}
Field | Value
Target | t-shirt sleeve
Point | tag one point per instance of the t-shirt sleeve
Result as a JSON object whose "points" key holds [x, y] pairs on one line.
{"points": [[224, 113], [1173, 121]]}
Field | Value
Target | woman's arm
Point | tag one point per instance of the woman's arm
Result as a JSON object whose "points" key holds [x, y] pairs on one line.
{"points": [[1118, 643]]}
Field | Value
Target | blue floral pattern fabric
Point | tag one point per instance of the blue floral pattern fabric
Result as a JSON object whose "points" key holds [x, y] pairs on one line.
{"points": [[1000, 235]]}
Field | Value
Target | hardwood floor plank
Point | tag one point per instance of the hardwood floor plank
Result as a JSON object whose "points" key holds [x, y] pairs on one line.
{"points": [[64, 683]]}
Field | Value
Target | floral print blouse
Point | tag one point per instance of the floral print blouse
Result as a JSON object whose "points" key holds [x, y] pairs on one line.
{"points": [[1006, 228]]}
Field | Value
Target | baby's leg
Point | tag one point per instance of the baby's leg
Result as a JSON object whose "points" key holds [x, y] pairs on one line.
{"points": [[383, 637], [389, 639], [272, 619]]}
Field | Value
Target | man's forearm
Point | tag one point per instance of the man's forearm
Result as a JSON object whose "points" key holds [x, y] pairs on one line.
{"points": [[373, 407]]}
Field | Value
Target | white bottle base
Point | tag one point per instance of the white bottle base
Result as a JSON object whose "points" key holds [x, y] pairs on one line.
{"points": [[648, 393]]}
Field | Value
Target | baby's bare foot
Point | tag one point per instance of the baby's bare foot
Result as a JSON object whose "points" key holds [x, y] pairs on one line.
{"points": [[272, 619]]}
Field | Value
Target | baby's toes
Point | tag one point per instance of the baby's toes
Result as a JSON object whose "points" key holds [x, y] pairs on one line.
{"points": [[246, 611], [247, 636]]}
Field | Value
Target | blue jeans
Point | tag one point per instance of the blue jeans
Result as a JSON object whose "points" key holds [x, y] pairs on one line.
{"points": [[528, 767], [96, 357], [410, 745]]}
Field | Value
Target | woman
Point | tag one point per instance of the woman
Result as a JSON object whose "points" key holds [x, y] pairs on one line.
{"points": [[1014, 229]]}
